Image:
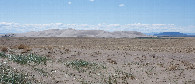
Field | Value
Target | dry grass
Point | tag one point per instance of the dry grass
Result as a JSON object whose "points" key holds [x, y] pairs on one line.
{"points": [[26, 50], [67, 51], [22, 46], [50, 47], [4, 49], [111, 61]]}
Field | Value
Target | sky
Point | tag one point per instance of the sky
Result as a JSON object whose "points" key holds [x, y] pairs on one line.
{"points": [[110, 15]]}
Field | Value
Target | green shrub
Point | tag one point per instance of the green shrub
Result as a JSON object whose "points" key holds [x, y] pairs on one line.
{"points": [[10, 76], [23, 59], [82, 66]]}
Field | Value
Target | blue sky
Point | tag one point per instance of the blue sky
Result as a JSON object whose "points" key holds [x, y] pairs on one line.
{"points": [[181, 13]]}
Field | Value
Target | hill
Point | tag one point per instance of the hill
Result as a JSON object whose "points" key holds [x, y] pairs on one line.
{"points": [[171, 34], [78, 33]]}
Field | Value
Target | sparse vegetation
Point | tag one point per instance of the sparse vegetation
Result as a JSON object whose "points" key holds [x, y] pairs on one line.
{"points": [[83, 60], [23, 59], [10, 76], [41, 71], [82, 66], [2, 55]]}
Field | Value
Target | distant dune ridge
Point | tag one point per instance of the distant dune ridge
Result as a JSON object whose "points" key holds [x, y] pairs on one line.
{"points": [[78, 33]]}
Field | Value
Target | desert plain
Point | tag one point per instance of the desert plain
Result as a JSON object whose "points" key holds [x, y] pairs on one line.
{"points": [[53, 60]]}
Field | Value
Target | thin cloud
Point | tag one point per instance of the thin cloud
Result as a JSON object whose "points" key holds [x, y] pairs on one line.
{"points": [[92, 0], [69, 3], [121, 5]]}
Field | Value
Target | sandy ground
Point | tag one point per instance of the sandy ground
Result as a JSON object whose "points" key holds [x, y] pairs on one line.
{"points": [[109, 60]]}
